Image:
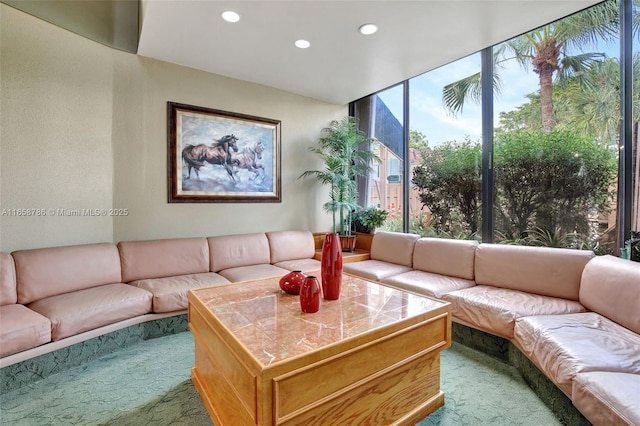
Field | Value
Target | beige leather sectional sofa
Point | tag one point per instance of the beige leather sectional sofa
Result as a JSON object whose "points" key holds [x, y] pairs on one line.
{"points": [[54, 297], [574, 315]]}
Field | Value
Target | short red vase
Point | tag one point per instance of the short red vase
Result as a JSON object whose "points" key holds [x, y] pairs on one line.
{"points": [[310, 295], [292, 282], [331, 267]]}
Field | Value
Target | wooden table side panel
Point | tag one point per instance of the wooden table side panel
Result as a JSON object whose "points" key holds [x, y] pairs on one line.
{"points": [[398, 397], [224, 405], [292, 391], [218, 357]]}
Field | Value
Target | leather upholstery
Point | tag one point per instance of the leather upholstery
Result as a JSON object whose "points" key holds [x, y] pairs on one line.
{"points": [[163, 258], [393, 247], [84, 310], [453, 258], [495, 309], [427, 283], [608, 398], [170, 293], [46, 272], [611, 287], [291, 245], [22, 329], [375, 270], [231, 251], [565, 345], [252, 272], [546, 271], [8, 291], [304, 265]]}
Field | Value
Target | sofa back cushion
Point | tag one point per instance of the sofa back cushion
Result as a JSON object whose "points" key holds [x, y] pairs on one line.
{"points": [[290, 245], [393, 247], [546, 271], [8, 291], [611, 287], [51, 271], [163, 258], [231, 251], [454, 258]]}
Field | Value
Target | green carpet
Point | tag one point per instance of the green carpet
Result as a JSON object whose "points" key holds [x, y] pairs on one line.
{"points": [[149, 384]]}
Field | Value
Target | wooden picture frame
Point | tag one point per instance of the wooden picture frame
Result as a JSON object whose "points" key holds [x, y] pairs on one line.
{"points": [[217, 156]]}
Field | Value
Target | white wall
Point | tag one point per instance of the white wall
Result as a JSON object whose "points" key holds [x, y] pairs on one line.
{"points": [[83, 126]]}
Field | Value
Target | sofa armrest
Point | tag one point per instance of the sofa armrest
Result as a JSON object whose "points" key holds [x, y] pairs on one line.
{"points": [[610, 286]]}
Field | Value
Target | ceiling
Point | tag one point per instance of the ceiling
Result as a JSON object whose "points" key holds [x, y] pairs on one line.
{"points": [[341, 65]]}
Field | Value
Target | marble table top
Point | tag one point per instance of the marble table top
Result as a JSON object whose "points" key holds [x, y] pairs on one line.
{"points": [[271, 326]]}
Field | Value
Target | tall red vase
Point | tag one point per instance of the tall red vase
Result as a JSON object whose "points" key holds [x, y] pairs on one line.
{"points": [[331, 267], [310, 295]]}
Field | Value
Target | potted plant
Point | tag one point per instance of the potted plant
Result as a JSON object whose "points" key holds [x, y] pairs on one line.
{"points": [[345, 151], [367, 219]]}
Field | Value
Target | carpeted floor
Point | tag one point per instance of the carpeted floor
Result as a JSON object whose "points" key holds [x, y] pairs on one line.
{"points": [[149, 384]]}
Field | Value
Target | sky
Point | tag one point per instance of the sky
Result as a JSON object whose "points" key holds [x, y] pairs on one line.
{"points": [[428, 116]]}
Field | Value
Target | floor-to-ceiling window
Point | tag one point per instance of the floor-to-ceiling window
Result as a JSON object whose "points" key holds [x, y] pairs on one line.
{"points": [[381, 117], [555, 143], [556, 131], [634, 251], [445, 151]]}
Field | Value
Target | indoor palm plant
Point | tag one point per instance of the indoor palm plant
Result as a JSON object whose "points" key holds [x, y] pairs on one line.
{"points": [[367, 219], [346, 154]]}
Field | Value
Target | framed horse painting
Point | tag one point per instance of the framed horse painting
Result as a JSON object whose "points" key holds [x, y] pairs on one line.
{"points": [[218, 156]]}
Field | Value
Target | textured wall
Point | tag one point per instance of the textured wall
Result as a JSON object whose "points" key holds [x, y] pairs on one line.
{"points": [[84, 126]]}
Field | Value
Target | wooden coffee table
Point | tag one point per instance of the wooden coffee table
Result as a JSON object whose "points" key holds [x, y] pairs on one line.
{"points": [[371, 357]]}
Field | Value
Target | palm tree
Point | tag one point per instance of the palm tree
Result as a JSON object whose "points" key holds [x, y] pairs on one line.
{"points": [[546, 51]]}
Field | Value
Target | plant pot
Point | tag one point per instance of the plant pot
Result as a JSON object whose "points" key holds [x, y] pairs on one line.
{"points": [[348, 242]]}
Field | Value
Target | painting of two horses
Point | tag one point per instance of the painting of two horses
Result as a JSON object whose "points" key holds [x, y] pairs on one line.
{"points": [[219, 156]]}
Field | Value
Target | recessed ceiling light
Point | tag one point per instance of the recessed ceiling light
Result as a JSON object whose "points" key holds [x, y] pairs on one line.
{"points": [[368, 29], [230, 16], [302, 44]]}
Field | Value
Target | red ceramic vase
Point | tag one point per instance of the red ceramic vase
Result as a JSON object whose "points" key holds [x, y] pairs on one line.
{"points": [[310, 295], [292, 282], [331, 267]]}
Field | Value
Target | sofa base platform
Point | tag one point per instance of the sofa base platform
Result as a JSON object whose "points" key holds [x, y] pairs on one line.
{"points": [[505, 351], [38, 367]]}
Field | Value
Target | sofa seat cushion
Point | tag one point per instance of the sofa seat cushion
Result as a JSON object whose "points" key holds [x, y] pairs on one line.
{"points": [[565, 345], [253, 272], [170, 293], [428, 284], [374, 269], [22, 329], [304, 265], [84, 310], [496, 310], [607, 398]]}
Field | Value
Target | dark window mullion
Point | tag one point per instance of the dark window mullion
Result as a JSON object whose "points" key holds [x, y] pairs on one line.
{"points": [[486, 76]]}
